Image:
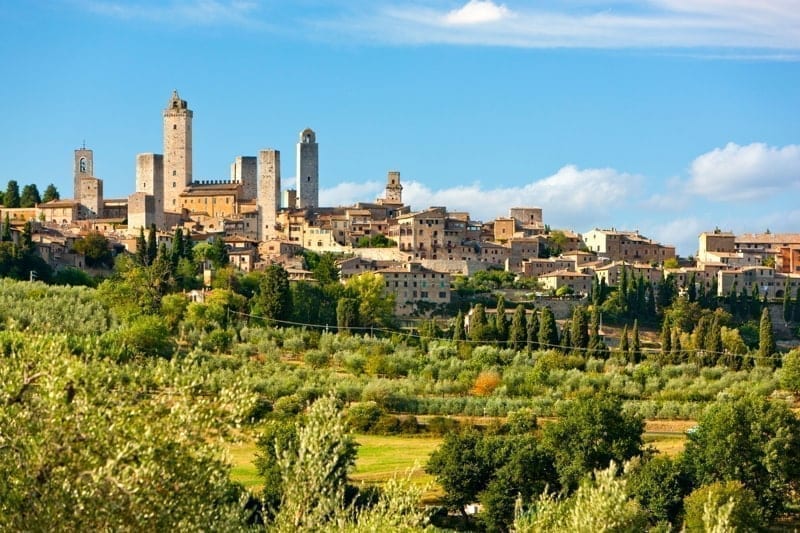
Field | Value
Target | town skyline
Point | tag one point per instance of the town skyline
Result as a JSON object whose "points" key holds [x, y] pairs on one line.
{"points": [[671, 140]]}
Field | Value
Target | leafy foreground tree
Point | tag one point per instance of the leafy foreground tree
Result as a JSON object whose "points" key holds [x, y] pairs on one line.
{"points": [[723, 507], [313, 476], [590, 434], [75, 456], [601, 504], [751, 440]]}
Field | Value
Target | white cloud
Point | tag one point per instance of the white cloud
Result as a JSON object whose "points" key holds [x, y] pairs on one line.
{"points": [[766, 29], [348, 193], [682, 233], [477, 12], [746, 172], [572, 196]]}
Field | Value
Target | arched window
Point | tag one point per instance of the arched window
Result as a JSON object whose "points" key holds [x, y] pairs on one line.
{"points": [[82, 165]]}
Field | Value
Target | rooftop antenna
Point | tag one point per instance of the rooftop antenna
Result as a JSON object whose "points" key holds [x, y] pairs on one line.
{"points": [[83, 147]]}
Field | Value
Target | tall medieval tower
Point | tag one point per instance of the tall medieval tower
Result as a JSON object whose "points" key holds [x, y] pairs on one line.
{"points": [[307, 170], [269, 192], [177, 151], [84, 168]]}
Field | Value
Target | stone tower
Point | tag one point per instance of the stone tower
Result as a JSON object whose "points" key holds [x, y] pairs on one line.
{"points": [[84, 168], [307, 170], [269, 192], [394, 191], [244, 171], [177, 151], [150, 181]]}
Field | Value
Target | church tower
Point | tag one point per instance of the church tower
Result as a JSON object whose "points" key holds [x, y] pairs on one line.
{"points": [[84, 168], [394, 191], [269, 192], [177, 151], [307, 170]]}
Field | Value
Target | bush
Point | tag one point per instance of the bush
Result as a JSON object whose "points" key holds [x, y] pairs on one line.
{"points": [[440, 425], [387, 425], [316, 358], [722, 506], [362, 417]]}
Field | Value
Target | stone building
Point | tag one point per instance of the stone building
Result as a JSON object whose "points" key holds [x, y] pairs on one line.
{"points": [[244, 171], [415, 287], [269, 193], [627, 246]]}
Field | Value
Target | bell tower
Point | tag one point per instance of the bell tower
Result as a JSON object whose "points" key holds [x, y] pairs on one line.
{"points": [[83, 168], [177, 151]]}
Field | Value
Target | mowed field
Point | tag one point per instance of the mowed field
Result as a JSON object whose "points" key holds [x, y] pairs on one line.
{"points": [[380, 457]]}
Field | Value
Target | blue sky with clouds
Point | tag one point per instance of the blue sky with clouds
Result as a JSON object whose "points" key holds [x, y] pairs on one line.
{"points": [[668, 116]]}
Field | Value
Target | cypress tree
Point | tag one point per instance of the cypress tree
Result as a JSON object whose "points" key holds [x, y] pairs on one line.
{"points": [[566, 340], [787, 303], [595, 346], [636, 346], [533, 330], [692, 288], [500, 321], [548, 332], [478, 325], [650, 306], [6, 235], [580, 328], [675, 341], [755, 302], [714, 343], [152, 245], [518, 333], [141, 249], [766, 340], [458, 327], [177, 247], [623, 343], [666, 340], [796, 312]]}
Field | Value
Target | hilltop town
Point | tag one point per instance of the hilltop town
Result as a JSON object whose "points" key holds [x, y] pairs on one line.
{"points": [[417, 252]]}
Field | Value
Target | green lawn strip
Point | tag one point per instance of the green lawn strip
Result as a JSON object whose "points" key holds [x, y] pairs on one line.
{"points": [[379, 458]]}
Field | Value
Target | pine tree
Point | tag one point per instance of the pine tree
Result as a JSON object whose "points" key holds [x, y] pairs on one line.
{"points": [[458, 327], [548, 332], [30, 196], [500, 321], [50, 193], [11, 197], [766, 340], [518, 333], [623, 343], [636, 346], [533, 330]]}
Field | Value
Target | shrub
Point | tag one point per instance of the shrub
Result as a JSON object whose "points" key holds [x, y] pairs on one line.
{"points": [[362, 417], [316, 358], [440, 425], [486, 382], [722, 506]]}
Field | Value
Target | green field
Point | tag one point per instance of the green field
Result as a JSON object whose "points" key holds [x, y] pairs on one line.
{"points": [[379, 458]]}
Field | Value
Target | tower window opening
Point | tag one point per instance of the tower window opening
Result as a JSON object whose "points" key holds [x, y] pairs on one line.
{"points": [[174, 126], [308, 178]]}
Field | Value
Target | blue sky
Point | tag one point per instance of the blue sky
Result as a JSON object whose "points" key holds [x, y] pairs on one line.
{"points": [[667, 116]]}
